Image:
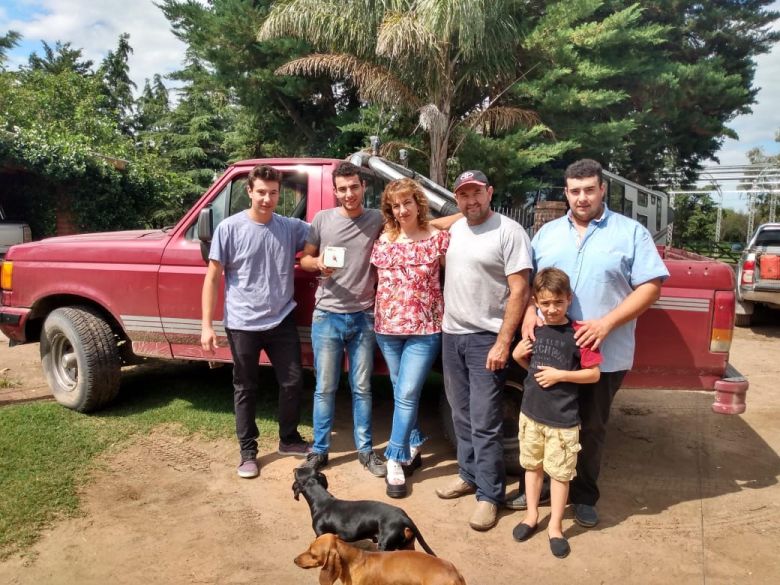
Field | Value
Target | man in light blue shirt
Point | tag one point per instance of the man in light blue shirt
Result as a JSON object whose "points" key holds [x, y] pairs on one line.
{"points": [[616, 274]]}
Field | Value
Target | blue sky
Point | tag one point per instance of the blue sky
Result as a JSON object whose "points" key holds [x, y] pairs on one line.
{"points": [[95, 25]]}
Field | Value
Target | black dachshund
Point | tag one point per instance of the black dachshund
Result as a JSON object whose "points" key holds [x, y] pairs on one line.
{"points": [[389, 526]]}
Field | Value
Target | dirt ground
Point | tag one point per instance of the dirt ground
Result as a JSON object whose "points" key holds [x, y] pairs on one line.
{"points": [[688, 496]]}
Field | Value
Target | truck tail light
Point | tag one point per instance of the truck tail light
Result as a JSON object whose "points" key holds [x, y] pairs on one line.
{"points": [[748, 266], [722, 321], [6, 269]]}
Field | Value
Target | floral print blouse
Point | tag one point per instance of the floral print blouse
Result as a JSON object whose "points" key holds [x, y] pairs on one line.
{"points": [[409, 299]]}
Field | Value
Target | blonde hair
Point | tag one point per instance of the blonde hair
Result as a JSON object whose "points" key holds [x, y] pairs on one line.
{"points": [[396, 190]]}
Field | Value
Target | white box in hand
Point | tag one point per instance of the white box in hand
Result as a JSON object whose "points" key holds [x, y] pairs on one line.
{"points": [[333, 257]]}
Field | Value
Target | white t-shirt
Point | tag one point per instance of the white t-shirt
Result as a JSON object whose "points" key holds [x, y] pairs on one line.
{"points": [[478, 261]]}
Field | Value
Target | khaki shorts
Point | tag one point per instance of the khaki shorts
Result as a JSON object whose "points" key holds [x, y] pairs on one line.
{"points": [[555, 450]]}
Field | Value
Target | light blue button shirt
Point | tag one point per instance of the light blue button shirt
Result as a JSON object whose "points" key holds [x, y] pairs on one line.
{"points": [[615, 256]]}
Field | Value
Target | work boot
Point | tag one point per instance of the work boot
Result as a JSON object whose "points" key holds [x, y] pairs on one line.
{"points": [[456, 488], [485, 516]]}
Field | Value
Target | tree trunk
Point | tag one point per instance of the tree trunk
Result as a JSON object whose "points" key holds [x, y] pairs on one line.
{"points": [[440, 138]]}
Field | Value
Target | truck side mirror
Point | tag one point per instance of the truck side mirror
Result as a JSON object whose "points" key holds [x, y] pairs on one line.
{"points": [[205, 231]]}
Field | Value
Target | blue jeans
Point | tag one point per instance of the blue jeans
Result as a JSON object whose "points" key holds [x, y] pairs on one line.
{"points": [[475, 395], [409, 359], [331, 335]]}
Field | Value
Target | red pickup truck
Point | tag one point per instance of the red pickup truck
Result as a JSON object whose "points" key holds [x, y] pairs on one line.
{"points": [[97, 301]]}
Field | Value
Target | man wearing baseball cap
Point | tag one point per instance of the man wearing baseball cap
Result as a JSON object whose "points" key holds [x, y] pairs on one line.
{"points": [[485, 293]]}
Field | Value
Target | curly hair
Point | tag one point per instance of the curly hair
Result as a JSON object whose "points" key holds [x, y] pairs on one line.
{"points": [[395, 191], [583, 169]]}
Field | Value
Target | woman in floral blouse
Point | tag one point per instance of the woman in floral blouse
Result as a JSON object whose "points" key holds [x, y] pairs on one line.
{"points": [[407, 316]]}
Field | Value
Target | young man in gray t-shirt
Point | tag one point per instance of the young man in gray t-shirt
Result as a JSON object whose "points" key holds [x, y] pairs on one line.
{"points": [[485, 293], [343, 318]]}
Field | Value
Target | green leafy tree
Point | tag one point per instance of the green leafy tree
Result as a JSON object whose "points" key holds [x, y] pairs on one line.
{"points": [[275, 116], [695, 217], [197, 127], [582, 58], [733, 226], [704, 80], [55, 126]]}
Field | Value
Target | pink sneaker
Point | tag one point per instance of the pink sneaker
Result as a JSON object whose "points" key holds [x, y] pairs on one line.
{"points": [[249, 469]]}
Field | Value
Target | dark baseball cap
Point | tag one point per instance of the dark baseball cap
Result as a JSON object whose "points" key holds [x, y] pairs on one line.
{"points": [[470, 178]]}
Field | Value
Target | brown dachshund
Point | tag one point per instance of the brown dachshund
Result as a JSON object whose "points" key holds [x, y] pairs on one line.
{"points": [[354, 566]]}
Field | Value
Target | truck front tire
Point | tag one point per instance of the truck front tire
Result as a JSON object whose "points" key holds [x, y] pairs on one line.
{"points": [[80, 358]]}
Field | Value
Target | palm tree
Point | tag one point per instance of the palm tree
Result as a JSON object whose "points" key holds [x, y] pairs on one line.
{"points": [[450, 61]]}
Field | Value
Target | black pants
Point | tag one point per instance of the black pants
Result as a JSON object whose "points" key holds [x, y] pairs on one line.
{"points": [[595, 402], [283, 347]]}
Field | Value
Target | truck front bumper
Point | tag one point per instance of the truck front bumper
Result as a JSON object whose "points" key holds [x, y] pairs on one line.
{"points": [[730, 392], [12, 323]]}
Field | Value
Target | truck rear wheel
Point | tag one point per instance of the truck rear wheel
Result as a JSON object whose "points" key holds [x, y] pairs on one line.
{"points": [[80, 358], [513, 396]]}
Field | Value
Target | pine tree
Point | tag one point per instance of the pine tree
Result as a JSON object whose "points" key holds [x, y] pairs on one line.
{"points": [[198, 125], [152, 114], [59, 59], [118, 87]]}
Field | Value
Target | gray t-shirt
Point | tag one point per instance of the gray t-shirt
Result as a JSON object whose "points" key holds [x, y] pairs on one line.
{"points": [[259, 264], [477, 263], [352, 288]]}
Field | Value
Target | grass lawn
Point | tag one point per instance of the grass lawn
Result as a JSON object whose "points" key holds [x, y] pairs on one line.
{"points": [[47, 451]]}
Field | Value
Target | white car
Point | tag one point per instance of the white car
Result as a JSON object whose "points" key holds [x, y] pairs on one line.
{"points": [[12, 233], [758, 277]]}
